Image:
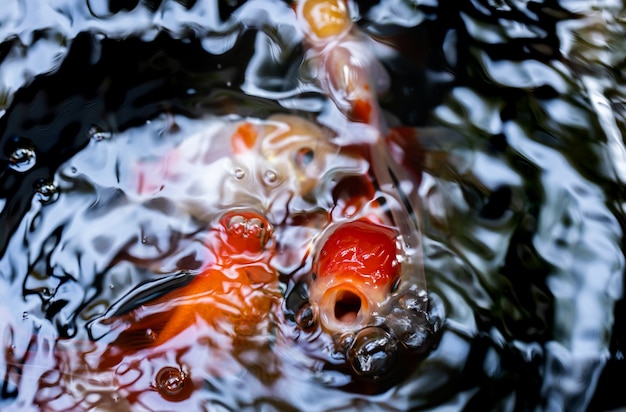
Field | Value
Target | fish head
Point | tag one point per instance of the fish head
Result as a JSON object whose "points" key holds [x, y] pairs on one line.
{"points": [[354, 272]]}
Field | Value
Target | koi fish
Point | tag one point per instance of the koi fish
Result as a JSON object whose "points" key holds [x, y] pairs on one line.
{"points": [[353, 78], [245, 163], [368, 263], [232, 296], [347, 68]]}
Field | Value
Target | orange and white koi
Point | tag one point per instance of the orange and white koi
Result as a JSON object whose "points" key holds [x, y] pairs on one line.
{"points": [[233, 294], [244, 163]]}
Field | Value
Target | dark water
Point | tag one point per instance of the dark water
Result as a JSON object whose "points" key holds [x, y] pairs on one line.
{"points": [[521, 108]]}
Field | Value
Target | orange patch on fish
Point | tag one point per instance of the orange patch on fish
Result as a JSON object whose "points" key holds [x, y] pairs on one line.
{"points": [[237, 288], [244, 138], [362, 110], [325, 18]]}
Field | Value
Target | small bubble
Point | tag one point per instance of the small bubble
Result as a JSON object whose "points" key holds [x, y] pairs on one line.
{"points": [[237, 225], [173, 383], [344, 342], [255, 228], [47, 191], [219, 66], [373, 353], [413, 329], [239, 173], [22, 159], [270, 177], [151, 335], [171, 380], [415, 301], [111, 286], [228, 84], [97, 133]]}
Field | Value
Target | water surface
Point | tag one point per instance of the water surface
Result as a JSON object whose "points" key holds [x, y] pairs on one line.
{"points": [[521, 111]]}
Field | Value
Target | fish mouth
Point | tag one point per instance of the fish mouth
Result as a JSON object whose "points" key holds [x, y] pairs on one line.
{"points": [[344, 307]]}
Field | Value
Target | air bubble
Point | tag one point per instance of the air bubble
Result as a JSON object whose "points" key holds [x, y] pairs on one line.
{"points": [[255, 228], [151, 335], [413, 329], [415, 301], [415, 319], [270, 177], [22, 159], [237, 225], [373, 353], [98, 134], [239, 173], [173, 383], [47, 191], [345, 341]]}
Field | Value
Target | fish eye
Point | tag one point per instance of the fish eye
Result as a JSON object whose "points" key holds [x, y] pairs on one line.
{"points": [[395, 286], [304, 157]]}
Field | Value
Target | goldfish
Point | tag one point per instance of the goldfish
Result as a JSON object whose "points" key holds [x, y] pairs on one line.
{"points": [[367, 286], [229, 301]]}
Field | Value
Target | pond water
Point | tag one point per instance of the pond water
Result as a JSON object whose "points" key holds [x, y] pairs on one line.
{"points": [[516, 171]]}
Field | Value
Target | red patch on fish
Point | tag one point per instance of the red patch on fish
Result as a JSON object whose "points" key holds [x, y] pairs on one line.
{"points": [[354, 272], [362, 110], [361, 250]]}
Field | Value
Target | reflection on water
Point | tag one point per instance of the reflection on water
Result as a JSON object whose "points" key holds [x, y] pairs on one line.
{"points": [[520, 116]]}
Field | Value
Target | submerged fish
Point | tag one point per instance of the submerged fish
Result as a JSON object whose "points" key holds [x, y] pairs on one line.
{"points": [[367, 287], [260, 163], [347, 69], [229, 302], [236, 284]]}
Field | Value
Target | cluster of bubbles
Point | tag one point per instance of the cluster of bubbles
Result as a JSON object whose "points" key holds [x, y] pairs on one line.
{"points": [[409, 327]]}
